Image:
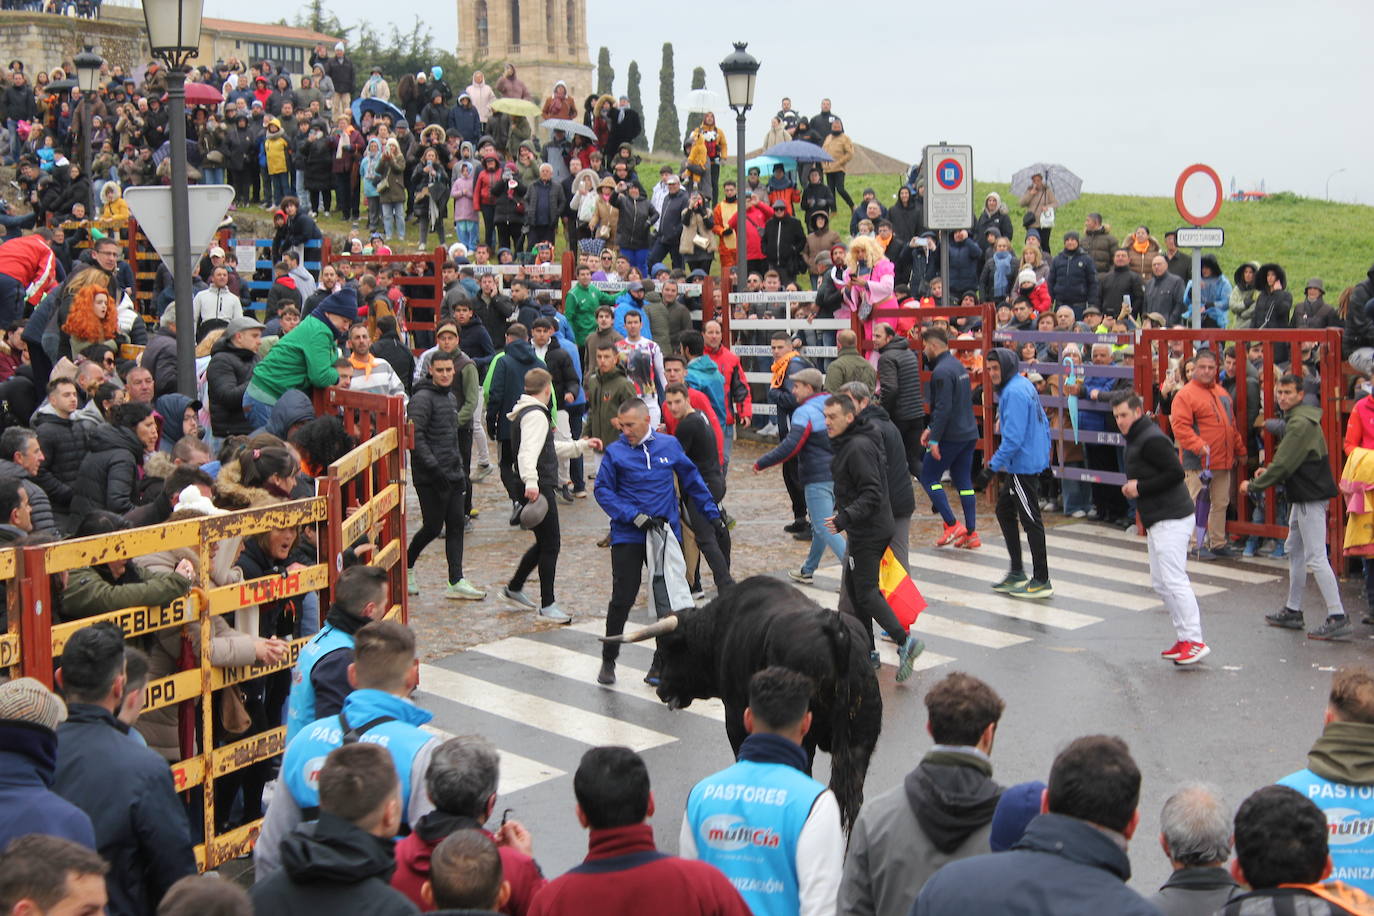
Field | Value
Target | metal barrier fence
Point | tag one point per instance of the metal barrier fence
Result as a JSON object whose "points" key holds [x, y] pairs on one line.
{"points": [[370, 481], [1152, 362]]}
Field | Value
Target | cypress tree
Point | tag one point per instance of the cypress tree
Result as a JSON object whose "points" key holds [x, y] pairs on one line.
{"points": [[637, 103], [694, 117], [605, 76], [666, 136]]}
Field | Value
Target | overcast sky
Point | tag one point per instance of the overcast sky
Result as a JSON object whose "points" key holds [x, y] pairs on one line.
{"points": [[1261, 90]]}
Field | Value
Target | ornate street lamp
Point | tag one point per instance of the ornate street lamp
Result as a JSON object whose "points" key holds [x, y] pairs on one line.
{"points": [[174, 35], [88, 64], [740, 70]]}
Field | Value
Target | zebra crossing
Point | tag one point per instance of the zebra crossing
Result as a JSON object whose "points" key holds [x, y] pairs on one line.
{"points": [[535, 695]]}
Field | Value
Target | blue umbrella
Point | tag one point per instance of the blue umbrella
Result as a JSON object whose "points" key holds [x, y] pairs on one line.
{"points": [[378, 107], [799, 150]]}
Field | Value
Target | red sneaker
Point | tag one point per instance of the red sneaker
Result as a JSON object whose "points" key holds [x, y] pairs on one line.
{"points": [[952, 533], [970, 541], [1174, 651], [1193, 653]]}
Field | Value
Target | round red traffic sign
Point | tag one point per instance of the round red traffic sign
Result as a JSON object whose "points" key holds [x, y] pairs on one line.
{"points": [[949, 174], [1198, 194]]}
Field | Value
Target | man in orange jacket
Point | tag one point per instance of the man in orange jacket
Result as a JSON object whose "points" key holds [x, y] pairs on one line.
{"points": [[1204, 425]]}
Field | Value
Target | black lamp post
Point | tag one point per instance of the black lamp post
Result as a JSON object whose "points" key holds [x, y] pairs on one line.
{"points": [[174, 36], [740, 70], [88, 65]]}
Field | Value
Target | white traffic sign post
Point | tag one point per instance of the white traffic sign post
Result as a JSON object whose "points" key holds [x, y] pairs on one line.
{"points": [[949, 198], [1198, 195], [152, 207]]}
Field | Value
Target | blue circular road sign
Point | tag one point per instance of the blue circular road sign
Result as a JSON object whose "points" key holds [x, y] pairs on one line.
{"points": [[949, 174]]}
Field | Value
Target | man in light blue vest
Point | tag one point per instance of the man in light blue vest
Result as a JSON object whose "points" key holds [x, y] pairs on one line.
{"points": [[1340, 776], [772, 829], [319, 682], [384, 672]]}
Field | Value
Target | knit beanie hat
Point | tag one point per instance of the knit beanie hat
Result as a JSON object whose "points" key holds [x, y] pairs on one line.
{"points": [[1025, 276], [1017, 807], [343, 303], [25, 699]]}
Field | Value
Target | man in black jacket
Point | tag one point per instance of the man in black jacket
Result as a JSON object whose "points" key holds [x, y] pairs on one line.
{"points": [[231, 369], [1118, 283], [784, 240], [343, 862], [63, 443], [494, 310], [1073, 277], [1155, 481], [145, 837], [390, 348], [862, 510], [899, 391], [900, 496], [505, 385], [698, 441], [669, 236]]}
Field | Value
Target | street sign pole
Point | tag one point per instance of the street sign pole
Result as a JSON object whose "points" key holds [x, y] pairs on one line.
{"points": [[1197, 197], [944, 268], [1197, 289]]}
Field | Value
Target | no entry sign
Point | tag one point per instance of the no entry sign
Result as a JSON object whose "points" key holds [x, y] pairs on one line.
{"points": [[949, 187], [1198, 194]]}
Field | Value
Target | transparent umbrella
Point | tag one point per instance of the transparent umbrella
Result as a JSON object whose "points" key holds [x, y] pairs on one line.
{"points": [[700, 101], [1066, 185]]}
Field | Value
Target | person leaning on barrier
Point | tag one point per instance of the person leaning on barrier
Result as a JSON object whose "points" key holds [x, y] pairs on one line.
{"points": [[105, 587], [385, 672], [145, 838], [461, 782]]}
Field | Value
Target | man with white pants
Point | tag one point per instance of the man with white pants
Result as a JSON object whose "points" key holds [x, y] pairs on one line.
{"points": [[1301, 464], [1155, 481]]}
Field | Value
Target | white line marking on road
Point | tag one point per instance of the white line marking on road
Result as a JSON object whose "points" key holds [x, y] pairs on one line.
{"points": [[1141, 555], [572, 664], [538, 712], [1249, 576], [930, 624], [517, 772], [1131, 601]]}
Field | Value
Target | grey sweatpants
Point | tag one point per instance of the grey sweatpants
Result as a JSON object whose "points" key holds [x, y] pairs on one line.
{"points": [[1306, 546]]}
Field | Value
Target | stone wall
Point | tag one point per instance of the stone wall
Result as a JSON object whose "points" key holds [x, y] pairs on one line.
{"points": [[45, 41]]}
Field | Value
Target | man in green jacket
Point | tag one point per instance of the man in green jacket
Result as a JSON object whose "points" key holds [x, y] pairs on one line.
{"points": [[849, 366], [580, 304], [304, 358], [1302, 466]]}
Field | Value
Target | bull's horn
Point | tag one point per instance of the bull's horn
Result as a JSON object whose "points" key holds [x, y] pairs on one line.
{"points": [[658, 628]]}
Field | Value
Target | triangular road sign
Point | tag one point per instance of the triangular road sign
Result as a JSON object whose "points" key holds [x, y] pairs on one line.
{"points": [[152, 207]]}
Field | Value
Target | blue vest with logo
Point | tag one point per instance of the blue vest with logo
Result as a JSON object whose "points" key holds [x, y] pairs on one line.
{"points": [[300, 707], [402, 737], [1349, 811], [746, 821]]}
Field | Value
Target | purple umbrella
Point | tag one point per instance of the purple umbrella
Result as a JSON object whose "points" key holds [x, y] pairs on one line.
{"points": [[1204, 508]]}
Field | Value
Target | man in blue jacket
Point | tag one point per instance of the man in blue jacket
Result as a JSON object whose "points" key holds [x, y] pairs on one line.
{"points": [[950, 438], [1072, 858], [635, 487], [29, 715], [1020, 457], [144, 836], [1073, 277], [386, 673], [807, 442]]}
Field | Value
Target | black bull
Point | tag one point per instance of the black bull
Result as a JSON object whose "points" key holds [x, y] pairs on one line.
{"points": [[713, 652]]}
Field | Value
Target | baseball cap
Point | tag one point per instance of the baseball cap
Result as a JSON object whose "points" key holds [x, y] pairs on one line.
{"points": [[216, 252], [533, 513], [636, 286]]}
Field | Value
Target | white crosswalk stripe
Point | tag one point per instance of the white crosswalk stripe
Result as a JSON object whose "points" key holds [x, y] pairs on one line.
{"points": [[576, 665], [988, 600], [1133, 600], [517, 772], [540, 712], [1087, 536], [927, 624]]}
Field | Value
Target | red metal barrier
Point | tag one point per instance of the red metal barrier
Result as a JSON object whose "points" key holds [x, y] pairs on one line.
{"points": [[1152, 363]]}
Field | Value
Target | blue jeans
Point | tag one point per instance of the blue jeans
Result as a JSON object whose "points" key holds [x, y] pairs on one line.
{"points": [[301, 190], [466, 230], [211, 175], [394, 220], [729, 432], [258, 412], [278, 187], [638, 257], [12, 125], [820, 505]]}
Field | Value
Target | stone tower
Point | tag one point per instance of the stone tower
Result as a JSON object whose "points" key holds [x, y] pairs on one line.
{"points": [[546, 40]]}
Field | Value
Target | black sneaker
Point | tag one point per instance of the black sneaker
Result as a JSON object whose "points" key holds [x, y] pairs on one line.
{"points": [[803, 535], [606, 675], [1287, 618], [1224, 552], [1332, 628], [565, 493], [798, 525]]}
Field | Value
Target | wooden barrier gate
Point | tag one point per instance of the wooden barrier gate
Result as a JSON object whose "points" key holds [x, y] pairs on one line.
{"points": [[370, 480], [1152, 363]]}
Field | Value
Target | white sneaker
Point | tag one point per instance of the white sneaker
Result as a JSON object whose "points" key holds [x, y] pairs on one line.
{"points": [[771, 430], [554, 613]]}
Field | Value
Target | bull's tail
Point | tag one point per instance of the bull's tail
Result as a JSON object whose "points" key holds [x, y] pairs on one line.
{"points": [[846, 771]]}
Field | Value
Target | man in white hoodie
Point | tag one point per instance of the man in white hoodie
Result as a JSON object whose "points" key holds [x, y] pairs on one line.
{"points": [[536, 464]]}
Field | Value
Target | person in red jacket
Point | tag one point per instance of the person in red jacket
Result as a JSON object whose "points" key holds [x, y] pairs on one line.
{"points": [[624, 874], [739, 402], [756, 216], [1357, 486], [461, 781]]}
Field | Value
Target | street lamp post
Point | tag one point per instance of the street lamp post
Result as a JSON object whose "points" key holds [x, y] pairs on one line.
{"points": [[174, 36], [88, 65], [740, 70]]}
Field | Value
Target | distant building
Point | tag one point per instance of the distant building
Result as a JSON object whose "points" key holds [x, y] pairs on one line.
{"points": [[285, 46], [546, 40]]}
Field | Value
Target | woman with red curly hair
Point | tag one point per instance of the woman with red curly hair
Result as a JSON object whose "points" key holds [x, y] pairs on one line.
{"points": [[92, 319]]}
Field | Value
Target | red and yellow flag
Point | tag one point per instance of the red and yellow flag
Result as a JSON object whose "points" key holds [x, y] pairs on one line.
{"points": [[901, 593]]}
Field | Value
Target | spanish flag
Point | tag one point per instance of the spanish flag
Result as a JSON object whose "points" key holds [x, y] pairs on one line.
{"points": [[901, 593]]}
